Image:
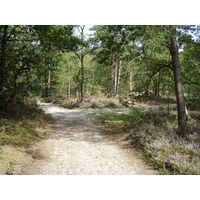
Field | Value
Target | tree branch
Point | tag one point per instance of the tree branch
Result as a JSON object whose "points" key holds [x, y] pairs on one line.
{"points": [[191, 82], [154, 73], [77, 55], [11, 32]]}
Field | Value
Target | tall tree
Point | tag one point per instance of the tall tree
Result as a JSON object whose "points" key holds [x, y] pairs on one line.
{"points": [[83, 50], [182, 120]]}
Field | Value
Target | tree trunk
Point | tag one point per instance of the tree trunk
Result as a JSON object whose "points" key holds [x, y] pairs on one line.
{"points": [[119, 77], [49, 81], [182, 120], [2, 65], [68, 79], [82, 78], [63, 81], [45, 83], [131, 75], [116, 70], [155, 86], [82, 65], [111, 76]]}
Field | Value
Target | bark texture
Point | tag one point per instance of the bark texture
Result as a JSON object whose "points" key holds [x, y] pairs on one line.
{"points": [[131, 81], [119, 77], [111, 75], [182, 120], [2, 65], [116, 70]]}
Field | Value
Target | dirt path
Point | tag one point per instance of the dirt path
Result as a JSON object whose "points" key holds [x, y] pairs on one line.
{"points": [[78, 147]]}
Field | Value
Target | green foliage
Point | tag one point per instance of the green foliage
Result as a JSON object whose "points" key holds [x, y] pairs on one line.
{"points": [[190, 66], [3, 129], [28, 53]]}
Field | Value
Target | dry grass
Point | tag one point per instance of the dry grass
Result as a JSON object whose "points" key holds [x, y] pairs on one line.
{"points": [[97, 101]]}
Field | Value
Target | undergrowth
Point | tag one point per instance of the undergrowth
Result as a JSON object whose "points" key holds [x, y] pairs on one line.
{"points": [[154, 131], [89, 102], [19, 121]]}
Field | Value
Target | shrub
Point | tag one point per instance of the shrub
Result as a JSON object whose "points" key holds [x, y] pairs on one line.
{"points": [[169, 151]]}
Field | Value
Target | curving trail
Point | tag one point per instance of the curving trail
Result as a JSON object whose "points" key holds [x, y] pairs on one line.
{"points": [[78, 147]]}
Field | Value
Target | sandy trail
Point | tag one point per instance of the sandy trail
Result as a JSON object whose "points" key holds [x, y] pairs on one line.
{"points": [[78, 147]]}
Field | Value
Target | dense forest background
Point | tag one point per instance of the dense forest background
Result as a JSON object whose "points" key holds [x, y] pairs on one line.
{"points": [[117, 60]]}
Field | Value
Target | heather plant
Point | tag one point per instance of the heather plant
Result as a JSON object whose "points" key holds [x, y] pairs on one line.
{"points": [[155, 132], [169, 151]]}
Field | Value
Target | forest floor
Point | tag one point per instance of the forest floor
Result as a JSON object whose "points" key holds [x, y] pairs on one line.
{"points": [[76, 145]]}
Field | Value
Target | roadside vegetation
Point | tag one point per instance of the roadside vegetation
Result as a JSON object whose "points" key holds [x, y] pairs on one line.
{"points": [[21, 123], [99, 100], [153, 131]]}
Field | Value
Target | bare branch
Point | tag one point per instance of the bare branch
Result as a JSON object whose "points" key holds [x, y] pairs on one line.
{"points": [[82, 28], [77, 55]]}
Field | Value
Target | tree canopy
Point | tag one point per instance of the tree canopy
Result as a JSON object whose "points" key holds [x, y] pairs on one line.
{"points": [[52, 60]]}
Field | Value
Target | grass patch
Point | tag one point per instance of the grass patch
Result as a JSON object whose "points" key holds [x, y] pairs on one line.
{"points": [[120, 118]]}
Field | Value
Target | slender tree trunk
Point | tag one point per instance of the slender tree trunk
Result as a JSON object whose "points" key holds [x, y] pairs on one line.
{"points": [[46, 84], [111, 76], [49, 81], [63, 82], [77, 94], [119, 76], [116, 70], [63, 90], [49, 78], [93, 78], [82, 66], [131, 75], [68, 79], [82, 78], [159, 82], [2, 65], [49, 73], [79, 82], [182, 120]]}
